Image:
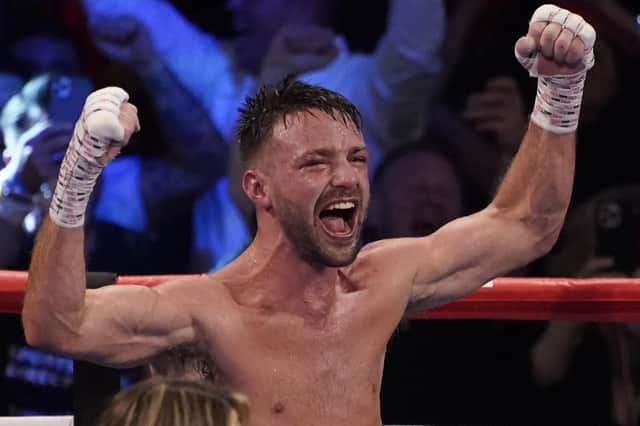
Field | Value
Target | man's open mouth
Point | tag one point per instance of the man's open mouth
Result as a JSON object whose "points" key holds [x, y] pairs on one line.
{"points": [[338, 219]]}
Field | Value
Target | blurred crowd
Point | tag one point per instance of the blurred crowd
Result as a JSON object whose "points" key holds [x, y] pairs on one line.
{"points": [[444, 106]]}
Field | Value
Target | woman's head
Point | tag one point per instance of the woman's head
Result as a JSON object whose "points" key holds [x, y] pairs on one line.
{"points": [[175, 402]]}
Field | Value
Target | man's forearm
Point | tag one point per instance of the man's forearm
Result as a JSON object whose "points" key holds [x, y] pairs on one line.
{"points": [[53, 310], [537, 187], [55, 293]]}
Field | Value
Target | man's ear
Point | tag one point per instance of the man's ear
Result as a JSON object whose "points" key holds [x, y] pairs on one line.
{"points": [[254, 185]]}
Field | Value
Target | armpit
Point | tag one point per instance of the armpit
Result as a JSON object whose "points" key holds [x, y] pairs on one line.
{"points": [[186, 361]]}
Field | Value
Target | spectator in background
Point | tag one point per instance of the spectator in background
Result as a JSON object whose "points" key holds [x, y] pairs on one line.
{"points": [[10, 84], [279, 37], [174, 159], [35, 145], [178, 167], [416, 190], [31, 45], [32, 143], [591, 372], [482, 103], [606, 101], [38, 53], [175, 402], [36, 141], [273, 38], [150, 215], [484, 97]]}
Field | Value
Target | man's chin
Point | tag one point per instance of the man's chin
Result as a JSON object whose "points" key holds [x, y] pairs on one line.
{"points": [[342, 257]]}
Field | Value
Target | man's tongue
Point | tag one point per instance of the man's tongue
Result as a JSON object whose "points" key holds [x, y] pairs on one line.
{"points": [[335, 224]]}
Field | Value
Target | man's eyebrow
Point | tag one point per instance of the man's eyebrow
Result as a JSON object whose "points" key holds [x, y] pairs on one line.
{"points": [[359, 150], [326, 153], [321, 152]]}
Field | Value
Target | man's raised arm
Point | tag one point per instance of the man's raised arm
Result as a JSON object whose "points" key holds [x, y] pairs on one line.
{"points": [[114, 326], [525, 217]]}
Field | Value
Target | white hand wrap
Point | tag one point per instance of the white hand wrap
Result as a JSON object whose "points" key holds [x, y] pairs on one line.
{"points": [[557, 106], [97, 128]]}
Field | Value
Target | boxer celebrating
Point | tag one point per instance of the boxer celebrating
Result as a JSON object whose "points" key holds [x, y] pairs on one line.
{"points": [[299, 322]]}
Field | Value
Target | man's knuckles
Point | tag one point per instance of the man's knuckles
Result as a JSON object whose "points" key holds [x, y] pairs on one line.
{"points": [[548, 39], [551, 16], [103, 111], [575, 52]]}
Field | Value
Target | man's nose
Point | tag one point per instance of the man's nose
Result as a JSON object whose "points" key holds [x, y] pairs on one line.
{"points": [[345, 176]]}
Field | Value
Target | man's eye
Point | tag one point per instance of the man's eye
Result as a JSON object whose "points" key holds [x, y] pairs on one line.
{"points": [[360, 159], [312, 163]]}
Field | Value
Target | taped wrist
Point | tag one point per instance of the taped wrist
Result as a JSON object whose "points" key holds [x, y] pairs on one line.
{"points": [[97, 128], [559, 97], [558, 101]]}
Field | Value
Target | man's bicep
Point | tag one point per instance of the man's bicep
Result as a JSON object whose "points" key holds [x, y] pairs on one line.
{"points": [[126, 325], [464, 254]]}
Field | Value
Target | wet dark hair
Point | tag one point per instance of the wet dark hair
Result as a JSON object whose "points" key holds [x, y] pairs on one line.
{"points": [[289, 96]]}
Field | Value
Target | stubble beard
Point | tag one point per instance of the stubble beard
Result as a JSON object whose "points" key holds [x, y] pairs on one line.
{"points": [[309, 245]]}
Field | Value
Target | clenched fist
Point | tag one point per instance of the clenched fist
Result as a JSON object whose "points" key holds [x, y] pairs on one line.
{"points": [[107, 122], [558, 43]]}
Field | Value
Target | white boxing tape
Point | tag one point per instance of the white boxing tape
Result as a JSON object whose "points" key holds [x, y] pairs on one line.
{"points": [[98, 127], [559, 16], [559, 98], [558, 102], [569, 21]]}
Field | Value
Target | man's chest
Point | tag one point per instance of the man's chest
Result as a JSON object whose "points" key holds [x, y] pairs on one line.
{"points": [[285, 361]]}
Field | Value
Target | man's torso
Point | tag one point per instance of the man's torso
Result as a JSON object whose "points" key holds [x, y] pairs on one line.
{"points": [[322, 370]]}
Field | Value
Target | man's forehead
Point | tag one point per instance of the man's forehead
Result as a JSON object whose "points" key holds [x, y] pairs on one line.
{"points": [[316, 127]]}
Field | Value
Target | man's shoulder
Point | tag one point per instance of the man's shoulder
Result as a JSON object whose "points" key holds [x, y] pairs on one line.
{"points": [[378, 259], [190, 285], [381, 249]]}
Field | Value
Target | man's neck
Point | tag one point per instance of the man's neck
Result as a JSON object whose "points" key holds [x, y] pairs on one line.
{"points": [[280, 280]]}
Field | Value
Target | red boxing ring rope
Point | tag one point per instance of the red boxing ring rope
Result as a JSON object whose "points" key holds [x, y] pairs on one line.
{"points": [[593, 299]]}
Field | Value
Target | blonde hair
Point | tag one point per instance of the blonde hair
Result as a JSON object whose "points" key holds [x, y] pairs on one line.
{"points": [[175, 402]]}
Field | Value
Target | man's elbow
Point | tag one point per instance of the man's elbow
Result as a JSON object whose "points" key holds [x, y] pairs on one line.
{"points": [[36, 334], [544, 233], [536, 233], [42, 333]]}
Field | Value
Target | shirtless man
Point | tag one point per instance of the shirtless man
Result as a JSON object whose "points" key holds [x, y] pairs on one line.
{"points": [[299, 322]]}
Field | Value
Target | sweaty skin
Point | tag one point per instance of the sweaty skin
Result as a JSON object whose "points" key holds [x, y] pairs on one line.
{"points": [[322, 363], [303, 340]]}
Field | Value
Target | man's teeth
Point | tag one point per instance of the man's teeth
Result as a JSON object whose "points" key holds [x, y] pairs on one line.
{"points": [[342, 206]]}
